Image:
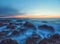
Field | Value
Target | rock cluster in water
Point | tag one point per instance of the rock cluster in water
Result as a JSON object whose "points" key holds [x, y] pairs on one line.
{"points": [[13, 32]]}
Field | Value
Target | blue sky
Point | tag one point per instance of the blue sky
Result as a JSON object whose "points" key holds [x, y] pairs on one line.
{"points": [[30, 7]]}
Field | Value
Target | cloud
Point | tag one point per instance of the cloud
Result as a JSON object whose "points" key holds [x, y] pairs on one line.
{"points": [[9, 11]]}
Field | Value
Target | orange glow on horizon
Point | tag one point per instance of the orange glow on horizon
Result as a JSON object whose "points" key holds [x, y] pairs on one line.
{"points": [[32, 16], [36, 16]]}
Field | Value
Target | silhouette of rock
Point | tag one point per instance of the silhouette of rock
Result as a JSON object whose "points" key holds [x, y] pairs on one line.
{"points": [[8, 41], [46, 27], [34, 39], [29, 25]]}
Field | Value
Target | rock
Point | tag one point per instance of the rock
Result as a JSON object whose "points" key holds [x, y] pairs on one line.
{"points": [[22, 30], [54, 39], [46, 27], [15, 32], [29, 25], [1, 24], [11, 27], [3, 34], [34, 39], [12, 23], [8, 41], [44, 41], [5, 21]]}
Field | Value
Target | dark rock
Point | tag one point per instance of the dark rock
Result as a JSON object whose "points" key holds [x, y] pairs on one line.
{"points": [[3, 21], [55, 37], [3, 33], [15, 32], [29, 25], [22, 30], [44, 41], [46, 27], [8, 41], [11, 23], [34, 39], [1, 24], [11, 27]]}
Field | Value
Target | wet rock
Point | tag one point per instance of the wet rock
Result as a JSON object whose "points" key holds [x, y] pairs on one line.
{"points": [[46, 27], [29, 25], [54, 39], [34, 39], [22, 30], [12, 23], [1, 24], [11, 27], [8, 41], [3, 34], [44, 41], [15, 32], [3, 21]]}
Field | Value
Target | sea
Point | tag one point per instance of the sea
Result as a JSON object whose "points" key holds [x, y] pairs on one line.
{"points": [[21, 38]]}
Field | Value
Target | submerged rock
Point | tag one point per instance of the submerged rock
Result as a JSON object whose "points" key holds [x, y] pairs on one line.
{"points": [[3, 21], [46, 27], [54, 39], [44, 41], [22, 29], [3, 34], [1, 24], [8, 41], [15, 32], [29, 25], [11, 27], [34, 39]]}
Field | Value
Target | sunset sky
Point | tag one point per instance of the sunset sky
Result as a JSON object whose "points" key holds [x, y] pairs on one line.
{"points": [[30, 8]]}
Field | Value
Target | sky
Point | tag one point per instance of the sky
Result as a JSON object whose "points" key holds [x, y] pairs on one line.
{"points": [[30, 8]]}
